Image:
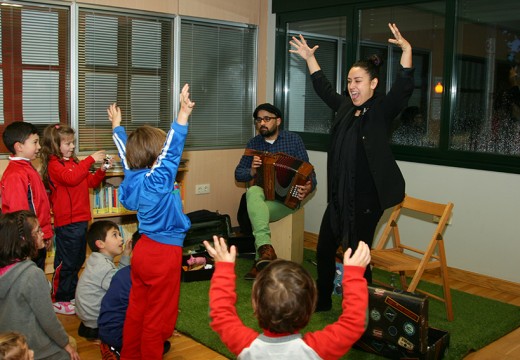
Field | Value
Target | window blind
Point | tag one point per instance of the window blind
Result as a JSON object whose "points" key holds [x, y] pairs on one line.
{"points": [[219, 63], [34, 64], [127, 59]]}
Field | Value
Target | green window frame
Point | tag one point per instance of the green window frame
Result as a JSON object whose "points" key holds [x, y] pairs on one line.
{"points": [[459, 141]]}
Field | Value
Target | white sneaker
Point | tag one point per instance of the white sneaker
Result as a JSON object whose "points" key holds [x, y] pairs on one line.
{"points": [[64, 307], [73, 302]]}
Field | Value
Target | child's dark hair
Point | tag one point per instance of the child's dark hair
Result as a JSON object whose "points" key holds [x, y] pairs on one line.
{"points": [[371, 66], [13, 346], [51, 142], [143, 146], [17, 131], [98, 231], [17, 241], [284, 297]]}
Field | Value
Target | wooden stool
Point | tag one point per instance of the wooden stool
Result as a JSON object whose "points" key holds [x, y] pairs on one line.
{"points": [[287, 236]]}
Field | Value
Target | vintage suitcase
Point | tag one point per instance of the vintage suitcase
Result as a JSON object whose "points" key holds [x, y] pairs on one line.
{"points": [[438, 342], [398, 318]]}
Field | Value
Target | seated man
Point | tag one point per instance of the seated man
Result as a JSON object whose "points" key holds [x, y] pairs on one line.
{"points": [[270, 138]]}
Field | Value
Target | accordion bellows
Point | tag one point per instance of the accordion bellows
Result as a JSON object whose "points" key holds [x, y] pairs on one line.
{"points": [[279, 176]]}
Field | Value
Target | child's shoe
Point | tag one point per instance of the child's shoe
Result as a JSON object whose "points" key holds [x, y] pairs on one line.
{"points": [[64, 307], [88, 333], [166, 347], [108, 352]]}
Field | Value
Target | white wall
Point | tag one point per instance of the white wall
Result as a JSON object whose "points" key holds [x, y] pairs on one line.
{"points": [[484, 234]]}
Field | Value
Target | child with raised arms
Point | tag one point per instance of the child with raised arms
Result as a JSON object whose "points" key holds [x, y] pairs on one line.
{"points": [[150, 160], [284, 299]]}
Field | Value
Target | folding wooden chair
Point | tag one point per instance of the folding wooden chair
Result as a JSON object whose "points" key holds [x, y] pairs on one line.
{"points": [[402, 258]]}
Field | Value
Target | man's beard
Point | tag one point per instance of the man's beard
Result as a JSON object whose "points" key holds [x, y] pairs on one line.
{"points": [[265, 132]]}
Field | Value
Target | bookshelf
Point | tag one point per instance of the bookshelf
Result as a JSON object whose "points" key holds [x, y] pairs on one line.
{"points": [[105, 199]]}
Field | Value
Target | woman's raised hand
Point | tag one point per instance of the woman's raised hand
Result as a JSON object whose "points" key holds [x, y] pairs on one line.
{"points": [[398, 39], [301, 48]]}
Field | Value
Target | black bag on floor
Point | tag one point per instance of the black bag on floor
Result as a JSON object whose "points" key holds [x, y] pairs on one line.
{"points": [[205, 224]]}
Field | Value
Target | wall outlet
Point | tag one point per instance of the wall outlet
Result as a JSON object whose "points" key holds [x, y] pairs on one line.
{"points": [[202, 189]]}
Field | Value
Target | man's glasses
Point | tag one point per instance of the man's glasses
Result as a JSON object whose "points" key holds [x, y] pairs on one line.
{"points": [[266, 119]]}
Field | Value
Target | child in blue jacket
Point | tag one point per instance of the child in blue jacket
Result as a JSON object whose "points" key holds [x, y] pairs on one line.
{"points": [[150, 160]]}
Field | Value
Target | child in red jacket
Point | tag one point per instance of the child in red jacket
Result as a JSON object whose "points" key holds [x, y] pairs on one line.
{"points": [[68, 180], [22, 186], [284, 298]]}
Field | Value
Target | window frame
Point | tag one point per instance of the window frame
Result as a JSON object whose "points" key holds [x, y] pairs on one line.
{"points": [[292, 11], [12, 58], [126, 93]]}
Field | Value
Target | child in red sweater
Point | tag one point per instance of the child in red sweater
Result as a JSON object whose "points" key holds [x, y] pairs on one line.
{"points": [[69, 180], [284, 298]]}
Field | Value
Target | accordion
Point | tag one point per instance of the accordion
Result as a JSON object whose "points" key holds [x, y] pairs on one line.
{"points": [[280, 175]]}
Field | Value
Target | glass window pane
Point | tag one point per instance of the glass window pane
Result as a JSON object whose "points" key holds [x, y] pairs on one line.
{"points": [[40, 96], [39, 37], [34, 64], [98, 89], [145, 97], [123, 58], [423, 26], [304, 110], [146, 44], [486, 117], [219, 63], [100, 40]]}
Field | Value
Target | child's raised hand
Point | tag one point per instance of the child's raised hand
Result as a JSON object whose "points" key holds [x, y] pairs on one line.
{"points": [[186, 105], [220, 250], [361, 256], [114, 115]]}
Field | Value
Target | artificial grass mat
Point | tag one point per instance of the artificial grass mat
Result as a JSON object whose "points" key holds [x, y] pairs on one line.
{"points": [[478, 321]]}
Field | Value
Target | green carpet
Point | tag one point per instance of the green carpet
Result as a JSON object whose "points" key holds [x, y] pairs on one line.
{"points": [[478, 321]]}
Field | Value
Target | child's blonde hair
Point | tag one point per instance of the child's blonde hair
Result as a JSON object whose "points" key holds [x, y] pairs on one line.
{"points": [[284, 297], [143, 146], [51, 142], [13, 346]]}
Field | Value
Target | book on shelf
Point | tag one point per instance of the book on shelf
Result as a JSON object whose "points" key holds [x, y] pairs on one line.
{"points": [[106, 200], [127, 230]]}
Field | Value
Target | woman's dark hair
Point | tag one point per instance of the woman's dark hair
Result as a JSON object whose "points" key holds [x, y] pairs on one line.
{"points": [[371, 66], [284, 297], [17, 241]]}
